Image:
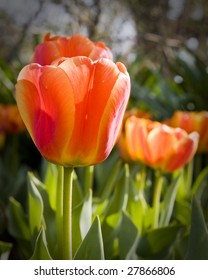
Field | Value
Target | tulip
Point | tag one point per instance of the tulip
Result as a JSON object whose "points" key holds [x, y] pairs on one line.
{"points": [[121, 142], [53, 48], [10, 119], [156, 144], [74, 108], [193, 121]]}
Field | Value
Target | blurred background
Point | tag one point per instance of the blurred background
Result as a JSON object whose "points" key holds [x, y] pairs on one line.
{"points": [[157, 26], [152, 37]]}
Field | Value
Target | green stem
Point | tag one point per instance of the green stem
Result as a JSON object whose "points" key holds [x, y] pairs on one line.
{"points": [[59, 210], [67, 213], [156, 198], [189, 178], [141, 179], [89, 178]]}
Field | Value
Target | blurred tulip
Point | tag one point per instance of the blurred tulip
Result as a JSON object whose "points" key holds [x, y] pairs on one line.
{"points": [[53, 48], [74, 108], [156, 144], [193, 121], [132, 112], [137, 113], [10, 119]]}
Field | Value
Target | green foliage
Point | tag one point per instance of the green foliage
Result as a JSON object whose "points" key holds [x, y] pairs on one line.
{"points": [[92, 246], [5, 249], [41, 249], [198, 250]]}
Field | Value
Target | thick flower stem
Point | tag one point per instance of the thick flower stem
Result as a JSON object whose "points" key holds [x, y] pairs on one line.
{"points": [[67, 213], [59, 211], [156, 199]]}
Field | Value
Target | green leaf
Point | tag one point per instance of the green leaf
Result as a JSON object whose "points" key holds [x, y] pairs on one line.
{"points": [[35, 205], [156, 243], [5, 249], [137, 206], [128, 238], [17, 221], [50, 183], [77, 196], [92, 246], [41, 251], [82, 219], [169, 201], [182, 212], [198, 240], [119, 198], [200, 183], [86, 215], [48, 214]]}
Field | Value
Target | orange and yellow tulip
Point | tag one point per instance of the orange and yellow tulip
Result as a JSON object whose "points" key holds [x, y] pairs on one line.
{"points": [[193, 121], [10, 119], [156, 144], [53, 48], [74, 108]]}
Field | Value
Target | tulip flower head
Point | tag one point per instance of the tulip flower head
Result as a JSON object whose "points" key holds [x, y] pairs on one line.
{"points": [[53, 48], [193, 121], [74, 108], [156, 144]]}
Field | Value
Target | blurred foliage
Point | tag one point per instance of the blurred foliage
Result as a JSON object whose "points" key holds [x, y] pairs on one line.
{"points": [[184, 88]]}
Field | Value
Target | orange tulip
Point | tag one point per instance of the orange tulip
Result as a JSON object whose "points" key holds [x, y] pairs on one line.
{"points": [[10, 119], [156, 144], [193, 121], [74, 108], [53, 48], [121, 142]]}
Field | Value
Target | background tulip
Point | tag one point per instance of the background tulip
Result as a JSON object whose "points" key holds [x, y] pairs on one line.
{"points": [[193, 121], [53, 48], [74, 108], [156, 144], [10, 119]]}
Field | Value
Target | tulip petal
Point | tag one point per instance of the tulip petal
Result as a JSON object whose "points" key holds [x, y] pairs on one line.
{"points": [[160, 142], [106, 105], [184, 150], [45, 100], [100, 51], [136, 139], [112, 117], [45, 53]]}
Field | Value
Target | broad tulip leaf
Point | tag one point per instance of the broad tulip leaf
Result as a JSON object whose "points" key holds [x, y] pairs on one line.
{"points": [[77, 196], [120, 236], [182, 212], [48, 213], [198, 240], [119, 198], [156, 243], [35, 205], [128, 238], [169, 201], [50, 183], [17, 221], [91, 247], [86, 215], [137, 206], [200, 183], [82, 219], [5, 249], [41, 251]]}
